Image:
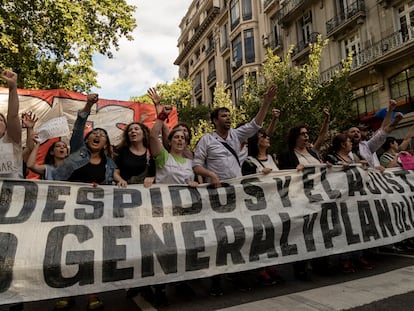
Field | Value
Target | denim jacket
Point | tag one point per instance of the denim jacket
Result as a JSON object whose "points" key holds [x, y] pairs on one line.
{"points": [[80, 154]]}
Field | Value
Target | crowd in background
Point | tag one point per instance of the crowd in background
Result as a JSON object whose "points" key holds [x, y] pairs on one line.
{"points": [[142, 157]]}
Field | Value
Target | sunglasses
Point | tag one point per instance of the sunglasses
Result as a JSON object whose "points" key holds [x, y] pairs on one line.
{"points": [[264, 135]]}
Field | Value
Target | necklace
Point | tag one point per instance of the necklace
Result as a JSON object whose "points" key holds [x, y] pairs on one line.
{"points": [[343, 158]]}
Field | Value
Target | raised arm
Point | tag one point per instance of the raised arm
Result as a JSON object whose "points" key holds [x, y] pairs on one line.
{"points": [[14, 128], [407, 139], [267, 100], [31, 160], [275, 119], [156, 99], [324, 130], [29, 120], [155, 144], [391, 107]]}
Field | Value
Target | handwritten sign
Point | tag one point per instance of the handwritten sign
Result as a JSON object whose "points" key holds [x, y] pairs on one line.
{"points": [[57, 127]]}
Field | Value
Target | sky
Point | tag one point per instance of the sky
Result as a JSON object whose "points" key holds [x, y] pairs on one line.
{"points": [[149, 58]]}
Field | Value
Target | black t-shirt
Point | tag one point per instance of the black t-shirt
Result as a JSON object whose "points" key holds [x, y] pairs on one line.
{"points": [[90, 173], [131, 164]]}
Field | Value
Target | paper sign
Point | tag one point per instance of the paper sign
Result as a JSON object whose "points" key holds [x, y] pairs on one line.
{"points": [[57, 127]]}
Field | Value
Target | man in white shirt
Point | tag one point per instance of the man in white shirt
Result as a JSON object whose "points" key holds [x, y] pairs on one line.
{"points": [[217, 154]]}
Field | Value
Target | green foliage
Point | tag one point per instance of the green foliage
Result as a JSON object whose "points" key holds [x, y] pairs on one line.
{"points": [[50, 43], [177, 93], [301, 95]]}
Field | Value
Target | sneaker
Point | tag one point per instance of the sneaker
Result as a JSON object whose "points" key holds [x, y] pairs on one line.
{"points": [[363, 264], [95, 304], [264, 278], [347, 267]]}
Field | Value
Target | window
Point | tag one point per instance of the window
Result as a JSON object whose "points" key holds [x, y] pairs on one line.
{"points": [[406, 20], [247, 9], [306, 26], [228, 72], [234, 13], [249, 46], [402, 84], [197, 83], [274, 35], [352, 44], [237, 52], [238, 90], [366, 99], [224, 37]]}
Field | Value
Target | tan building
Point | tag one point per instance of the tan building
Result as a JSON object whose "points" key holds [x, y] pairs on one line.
{"points": [[222, 39]]}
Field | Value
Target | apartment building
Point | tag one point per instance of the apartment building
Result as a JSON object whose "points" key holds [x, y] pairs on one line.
{"points": [[223, 39]]}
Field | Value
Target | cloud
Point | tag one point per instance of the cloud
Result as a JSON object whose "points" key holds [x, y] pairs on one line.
{"points": [[149, 58]]}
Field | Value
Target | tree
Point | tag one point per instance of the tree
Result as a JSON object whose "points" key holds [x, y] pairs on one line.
{"points": [[301, 94], [50, 43]]}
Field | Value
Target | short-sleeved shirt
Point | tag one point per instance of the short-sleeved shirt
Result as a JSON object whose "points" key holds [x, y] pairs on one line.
{"points": [[211, 153], [172, 169]]}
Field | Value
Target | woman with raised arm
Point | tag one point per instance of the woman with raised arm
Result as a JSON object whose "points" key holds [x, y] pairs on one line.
{"points": [[89, 162], [11, 131], [56, 154]]}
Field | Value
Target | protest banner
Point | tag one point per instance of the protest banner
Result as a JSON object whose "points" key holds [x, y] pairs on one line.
{"points": [[63, 239], [112, 115]]}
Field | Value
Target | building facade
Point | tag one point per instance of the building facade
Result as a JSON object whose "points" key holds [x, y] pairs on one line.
{"points": [[221, 40]]}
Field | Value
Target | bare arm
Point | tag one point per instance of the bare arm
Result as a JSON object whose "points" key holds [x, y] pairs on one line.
{"points": [[202, 171], [155, 144], [275, 119], [31, 160], [267, 100], [324, 130], [391, 107], [14, 128], [407, 139], [156, 99], [29, 120]]}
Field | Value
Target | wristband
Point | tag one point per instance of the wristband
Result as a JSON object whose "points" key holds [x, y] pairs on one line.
{"points": [[162, 116]]}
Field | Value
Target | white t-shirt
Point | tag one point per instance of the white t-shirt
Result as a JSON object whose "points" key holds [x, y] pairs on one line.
{"points": [[260, 164], [173, 170], [11, 158]]}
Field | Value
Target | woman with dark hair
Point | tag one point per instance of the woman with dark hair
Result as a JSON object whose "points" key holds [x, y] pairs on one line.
{"points": [[298, 154], [393, 150], [341, 151], [89, 162], [297, 157], [56, 154], [134, 161], [258, 160]]}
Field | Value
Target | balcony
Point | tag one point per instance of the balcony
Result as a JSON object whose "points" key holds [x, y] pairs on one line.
{"points": [[197, 89], [302, 48], [211, 76], [268, 4], [224, 46], [292, 9], [275, 42], [210, 50], [354, 14], [396, 46]]}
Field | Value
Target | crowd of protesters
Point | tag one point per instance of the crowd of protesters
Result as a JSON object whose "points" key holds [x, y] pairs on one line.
{"points": [[143, 157]]}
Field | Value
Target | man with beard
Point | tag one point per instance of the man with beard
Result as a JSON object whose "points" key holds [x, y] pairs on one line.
{"points": [[217, 154], [365, 150]]}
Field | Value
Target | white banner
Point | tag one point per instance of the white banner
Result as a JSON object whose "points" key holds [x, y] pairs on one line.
{"points": [[61, 239]]}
